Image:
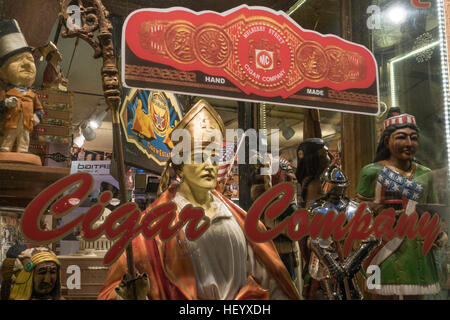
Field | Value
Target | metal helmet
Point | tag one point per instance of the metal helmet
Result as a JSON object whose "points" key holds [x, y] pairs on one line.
{"points": [[334, 181]]}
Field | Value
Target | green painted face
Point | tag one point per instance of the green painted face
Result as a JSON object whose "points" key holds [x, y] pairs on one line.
{"points": [[19, 70]]}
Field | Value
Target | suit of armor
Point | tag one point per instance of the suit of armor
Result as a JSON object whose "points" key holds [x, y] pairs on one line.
{"points": [[327, 263]]}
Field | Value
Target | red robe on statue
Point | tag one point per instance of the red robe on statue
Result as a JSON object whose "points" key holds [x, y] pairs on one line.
{"points": [[170, 270]]}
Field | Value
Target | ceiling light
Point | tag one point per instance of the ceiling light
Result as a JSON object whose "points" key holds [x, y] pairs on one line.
{"points": [[397, 14], [79, 140], [286, 130], [94, 124], [88, 132]]}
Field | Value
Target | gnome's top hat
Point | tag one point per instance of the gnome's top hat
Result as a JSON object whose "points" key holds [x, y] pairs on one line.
{"points": [[12, 40]]}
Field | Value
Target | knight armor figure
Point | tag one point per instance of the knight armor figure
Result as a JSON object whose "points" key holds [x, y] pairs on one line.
{"points": [[327, 264]]}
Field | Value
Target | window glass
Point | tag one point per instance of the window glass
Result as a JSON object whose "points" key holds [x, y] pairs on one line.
{"points": [[404, 37]]}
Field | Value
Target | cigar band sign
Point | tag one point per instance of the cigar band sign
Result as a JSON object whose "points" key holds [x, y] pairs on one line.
{"points": [[247, 54]]}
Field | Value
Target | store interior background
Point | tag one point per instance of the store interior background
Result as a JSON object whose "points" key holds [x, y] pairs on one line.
{"points": [[323, 16], [85, 82], [418, 81], [418, 84]]}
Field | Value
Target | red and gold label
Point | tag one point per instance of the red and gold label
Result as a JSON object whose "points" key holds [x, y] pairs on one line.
{"points": [[251, 50], [421, 4]]}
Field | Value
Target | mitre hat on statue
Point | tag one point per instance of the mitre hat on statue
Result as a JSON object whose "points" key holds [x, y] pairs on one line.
{"points": [[205, 128], [203, 124]]}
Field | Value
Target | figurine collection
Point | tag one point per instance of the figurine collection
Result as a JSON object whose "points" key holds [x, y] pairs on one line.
{"points": [[305, 237]]}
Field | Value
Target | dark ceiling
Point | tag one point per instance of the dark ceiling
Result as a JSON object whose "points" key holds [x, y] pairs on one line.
{"points": [[319, 15], [123, 7]]}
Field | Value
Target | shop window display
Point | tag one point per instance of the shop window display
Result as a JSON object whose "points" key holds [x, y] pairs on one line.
{"points": [[405, 40]]}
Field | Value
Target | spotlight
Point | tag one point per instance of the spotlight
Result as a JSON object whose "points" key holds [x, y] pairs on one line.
{"points": [[396, 14], [79, 140], [286, 130], [89, 126], [88, 132], [96, 122]]}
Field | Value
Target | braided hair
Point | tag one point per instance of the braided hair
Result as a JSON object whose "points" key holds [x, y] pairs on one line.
{"points": [[308, 166], [8, 269]]}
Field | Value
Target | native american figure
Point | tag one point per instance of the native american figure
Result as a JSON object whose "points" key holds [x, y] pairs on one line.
{"points": [[32, 274], [396, 180]]}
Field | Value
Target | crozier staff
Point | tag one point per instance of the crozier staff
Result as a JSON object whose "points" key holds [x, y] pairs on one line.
{"points": [[221, 263]]}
